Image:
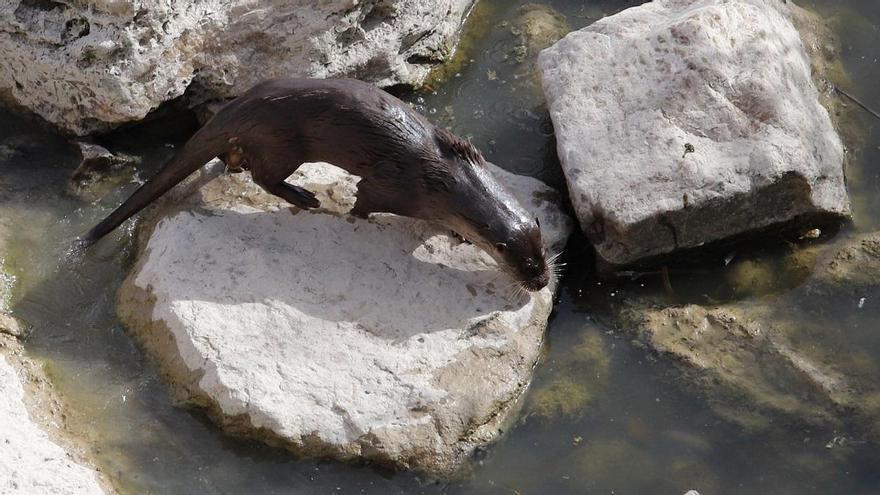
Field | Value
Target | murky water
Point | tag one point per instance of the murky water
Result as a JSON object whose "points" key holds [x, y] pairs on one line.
{"points": [[603, 416]]}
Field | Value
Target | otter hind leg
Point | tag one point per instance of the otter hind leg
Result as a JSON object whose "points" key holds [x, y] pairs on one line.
{"points": [[373, 200], [266, 172], [362, 208], [234, 160], [367, 201], [295, 195]]}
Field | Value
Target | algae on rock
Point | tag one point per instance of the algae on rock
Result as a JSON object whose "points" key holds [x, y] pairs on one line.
{"points": [[791, 355], [578, 374], [537, 27]]}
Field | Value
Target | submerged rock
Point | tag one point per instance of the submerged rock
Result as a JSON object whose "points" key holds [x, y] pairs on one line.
{"points": [[537, 27], [87, 67], [96, 160], [809, 355], [744, 358], [381, 340], [683, 123], [98, 166], [576, 376], [851, 265], [33, 461], [611, 464]]}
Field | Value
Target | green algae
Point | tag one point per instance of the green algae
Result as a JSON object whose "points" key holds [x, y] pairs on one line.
{"points": [[479, 23], [580, 375]]}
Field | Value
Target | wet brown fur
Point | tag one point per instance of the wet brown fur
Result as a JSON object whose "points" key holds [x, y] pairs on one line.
{"points": [[408, 167]]}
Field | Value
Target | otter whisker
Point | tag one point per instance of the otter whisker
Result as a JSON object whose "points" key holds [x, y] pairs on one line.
{"points": [[517, 289], [557, 268], [554, 266], [513, 288]]}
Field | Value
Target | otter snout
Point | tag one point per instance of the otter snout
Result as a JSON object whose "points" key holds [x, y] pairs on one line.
{"points": [[524, 260], [535, 276]]}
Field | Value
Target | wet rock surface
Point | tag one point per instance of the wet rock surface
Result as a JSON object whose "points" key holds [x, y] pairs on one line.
{"points": [[99, 170], [10, 326], [6, 279], [579, 375], [741, 354], [88, 67], [34, 456], [783, 355], [852, 265], [381, 340], [682, 123], [538, 27]]}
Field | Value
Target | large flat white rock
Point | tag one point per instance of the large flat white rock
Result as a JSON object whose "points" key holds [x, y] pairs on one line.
{"points": [[381, 340], [89, 66], [631, 94], [32, 463]]}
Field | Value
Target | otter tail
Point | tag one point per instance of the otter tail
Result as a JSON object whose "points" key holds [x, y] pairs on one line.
{"points": [[205, 145]]}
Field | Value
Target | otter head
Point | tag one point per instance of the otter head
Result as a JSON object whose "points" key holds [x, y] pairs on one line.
{"points": [[481, 210], [519, 250]]}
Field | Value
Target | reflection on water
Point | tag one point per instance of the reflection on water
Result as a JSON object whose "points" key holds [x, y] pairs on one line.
{"points": [[603, 416]]}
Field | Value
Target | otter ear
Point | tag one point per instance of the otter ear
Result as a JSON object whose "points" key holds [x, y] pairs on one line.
{"points": [[451, 144], [500, 247], [538, 222]]}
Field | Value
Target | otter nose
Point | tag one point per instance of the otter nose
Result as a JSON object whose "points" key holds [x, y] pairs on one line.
{"points": [[536, 267], [537, 283]]}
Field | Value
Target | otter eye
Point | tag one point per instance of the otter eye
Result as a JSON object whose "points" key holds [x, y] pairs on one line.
{"points": [[500, 247]]}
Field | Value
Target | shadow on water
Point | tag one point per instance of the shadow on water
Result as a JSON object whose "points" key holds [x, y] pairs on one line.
{"points": [[603, 416]]}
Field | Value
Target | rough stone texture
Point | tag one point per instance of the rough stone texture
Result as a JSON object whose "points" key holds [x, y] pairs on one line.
{"points": [[10, 326], [88, 66], [381, 340], [732, 79], [32, 462]]}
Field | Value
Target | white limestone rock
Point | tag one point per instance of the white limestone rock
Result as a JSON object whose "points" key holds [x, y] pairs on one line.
{"points": [[88, 66], [382, 340], [730, 78], [32, 462]]}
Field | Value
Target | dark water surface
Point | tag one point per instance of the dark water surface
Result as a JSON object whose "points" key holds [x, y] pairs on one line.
{"points": [[618, 420]]}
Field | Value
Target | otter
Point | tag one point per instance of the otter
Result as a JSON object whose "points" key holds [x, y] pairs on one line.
{"points": [[408, 166]]}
